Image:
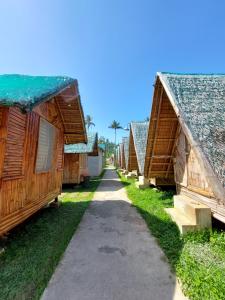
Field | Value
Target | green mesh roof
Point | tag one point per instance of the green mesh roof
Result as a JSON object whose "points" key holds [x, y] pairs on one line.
{"points": [[102, 146], [200, 99], [140, 134], [83, 148], [27, 91]]}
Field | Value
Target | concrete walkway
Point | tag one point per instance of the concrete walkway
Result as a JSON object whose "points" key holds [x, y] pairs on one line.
{"points": [[112, 255]]}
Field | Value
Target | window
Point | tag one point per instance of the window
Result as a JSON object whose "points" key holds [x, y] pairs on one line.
{"points": [[46, 142]]}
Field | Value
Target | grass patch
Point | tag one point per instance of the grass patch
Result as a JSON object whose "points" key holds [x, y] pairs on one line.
{"points": [[197, 258], [34, 249]]}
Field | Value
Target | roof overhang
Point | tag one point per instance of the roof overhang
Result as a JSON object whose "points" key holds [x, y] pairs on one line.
{"points": [[71, 113]]}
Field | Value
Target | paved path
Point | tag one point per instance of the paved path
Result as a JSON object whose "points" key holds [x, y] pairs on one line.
{"points": [[112, 255]]}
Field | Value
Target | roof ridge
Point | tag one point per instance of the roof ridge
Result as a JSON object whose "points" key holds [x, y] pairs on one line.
{"points": [[190, 74]]}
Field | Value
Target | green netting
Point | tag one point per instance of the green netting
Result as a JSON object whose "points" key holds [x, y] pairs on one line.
{"points": [[83, 148], [27, 91]]}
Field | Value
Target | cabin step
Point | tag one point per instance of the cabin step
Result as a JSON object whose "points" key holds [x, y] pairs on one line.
{"points": [[195, 211], [131, 175], [184, 224]]}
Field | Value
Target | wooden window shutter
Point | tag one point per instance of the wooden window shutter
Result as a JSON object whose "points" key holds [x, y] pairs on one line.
{"points": [[46, 142], [60, 152], [15, 141]]}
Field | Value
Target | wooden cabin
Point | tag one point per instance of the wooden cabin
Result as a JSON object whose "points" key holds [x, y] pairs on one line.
{"points": [[76, 166], [37, 115], [137, 146], [121, 158], [186, 141], [125, 142]]}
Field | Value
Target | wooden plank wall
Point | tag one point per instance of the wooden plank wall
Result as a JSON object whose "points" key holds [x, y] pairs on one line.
{"points": [[132, 160], [22, 191], [188, 172], [71, 172]]}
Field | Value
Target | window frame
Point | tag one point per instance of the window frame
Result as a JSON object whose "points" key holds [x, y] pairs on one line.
{"points": [[54, 140]]}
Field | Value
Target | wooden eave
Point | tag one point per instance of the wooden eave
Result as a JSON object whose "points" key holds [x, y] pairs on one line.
{"points": [[132, 156], [162, 134], [71, 113]]}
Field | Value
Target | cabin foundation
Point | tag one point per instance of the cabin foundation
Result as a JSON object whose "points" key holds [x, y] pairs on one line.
{"points": [[132, 174], [190, 214], [142, 182]]}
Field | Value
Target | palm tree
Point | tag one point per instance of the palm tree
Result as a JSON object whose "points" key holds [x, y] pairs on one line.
{"points": [[89, 121], [115, 125]]}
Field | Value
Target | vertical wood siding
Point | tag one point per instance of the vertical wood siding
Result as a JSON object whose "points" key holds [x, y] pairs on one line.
{"points": [[22, 190], [71, 172], [132, 160]]}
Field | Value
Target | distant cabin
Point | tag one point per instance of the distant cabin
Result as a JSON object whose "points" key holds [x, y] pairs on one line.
{"points": [[81, 160], [38, 114], [125, 141], [122, 163], [76, 159], [137, 146], [186, 138]]}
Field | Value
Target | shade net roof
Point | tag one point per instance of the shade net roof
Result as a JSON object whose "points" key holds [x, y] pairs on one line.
{"points": [[27, 91], [83, 148], [200, 100]]}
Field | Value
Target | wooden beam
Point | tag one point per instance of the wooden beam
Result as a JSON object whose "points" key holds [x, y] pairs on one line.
{"points": [[166, 119], [174, 146], [156, 129], [162, 156]]}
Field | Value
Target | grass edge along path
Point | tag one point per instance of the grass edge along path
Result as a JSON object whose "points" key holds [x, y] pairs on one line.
{"points": [[35, 248], [198, 258]]}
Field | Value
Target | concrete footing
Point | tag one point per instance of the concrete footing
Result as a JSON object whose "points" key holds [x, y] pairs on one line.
{"points": [[124, 172], [132, 174], [142, 182], [189, 214]]}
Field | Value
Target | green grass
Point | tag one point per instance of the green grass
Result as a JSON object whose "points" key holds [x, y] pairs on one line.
{"points": [[34, 249], [197, 258]]}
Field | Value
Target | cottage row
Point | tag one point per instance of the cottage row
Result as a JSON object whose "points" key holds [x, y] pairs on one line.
{"points": [[183, 145], [38, 115]]}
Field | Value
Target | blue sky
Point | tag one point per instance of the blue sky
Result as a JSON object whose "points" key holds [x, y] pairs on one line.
{"points": [[113, 47]]}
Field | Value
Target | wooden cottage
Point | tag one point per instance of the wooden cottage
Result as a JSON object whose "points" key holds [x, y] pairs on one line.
{"points": [[122, 156], [186, 144], [125, 142], [76, 159], [37, 114], [137, 146]]}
